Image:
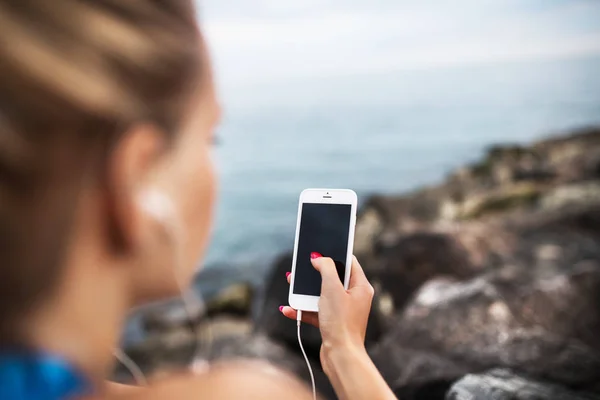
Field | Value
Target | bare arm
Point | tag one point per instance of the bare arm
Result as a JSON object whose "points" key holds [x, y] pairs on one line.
{"points": [[342, 320], [354, 376]]}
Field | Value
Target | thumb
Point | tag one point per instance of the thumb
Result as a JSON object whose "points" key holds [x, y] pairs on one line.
{"points": [[329, 275]]}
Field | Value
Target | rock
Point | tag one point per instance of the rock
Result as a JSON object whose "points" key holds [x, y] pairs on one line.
{"points": [[571, 232], [234, 300], [158, 353], [586, 194], [474, 220], [486, 245], [532, 241], [383, 219], [167, 316], [561, 160], [415, 374], [415, 259], [531, 304], [502, 384], [450, 210], [574, 157], [222, 327], [371, 222], [508, 198], [544, 327]]}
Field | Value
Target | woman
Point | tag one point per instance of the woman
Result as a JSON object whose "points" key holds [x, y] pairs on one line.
{"points": [[105, 107]]}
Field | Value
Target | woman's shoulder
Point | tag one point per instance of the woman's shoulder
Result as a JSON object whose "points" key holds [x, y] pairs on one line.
{"points": [[233, 380]]}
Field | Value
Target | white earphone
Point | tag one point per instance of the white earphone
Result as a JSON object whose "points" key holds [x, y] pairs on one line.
{"points": [[160, 206]]}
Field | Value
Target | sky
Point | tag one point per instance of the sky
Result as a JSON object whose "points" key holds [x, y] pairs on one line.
{"points": [[272, 40]]}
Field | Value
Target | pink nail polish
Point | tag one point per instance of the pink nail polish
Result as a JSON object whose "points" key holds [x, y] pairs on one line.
{"points": [[314, 255], [280, 308], [287, 274]]}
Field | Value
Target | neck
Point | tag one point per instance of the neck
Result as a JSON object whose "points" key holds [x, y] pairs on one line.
{"points": [[82, 322]]}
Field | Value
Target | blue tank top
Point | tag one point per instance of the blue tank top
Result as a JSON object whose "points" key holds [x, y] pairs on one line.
{"points": [[29, 376]]}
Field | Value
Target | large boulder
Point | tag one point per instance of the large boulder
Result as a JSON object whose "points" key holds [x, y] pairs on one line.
{"points": [[502, 384], [546, 328], [416, 374], [414, 259]]}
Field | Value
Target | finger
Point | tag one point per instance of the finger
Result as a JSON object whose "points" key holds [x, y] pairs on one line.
{"points": [[357, 275], [288, 276], [307, 317], [329, 275]]}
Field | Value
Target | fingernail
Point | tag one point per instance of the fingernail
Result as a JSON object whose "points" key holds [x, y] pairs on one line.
{"points": [[314, 255], [280, 308], [287, 274]]}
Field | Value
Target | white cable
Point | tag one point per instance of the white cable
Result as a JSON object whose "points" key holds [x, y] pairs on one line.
{"points": [[312, 377], [192, 303], [131, 366], [162, 209]]}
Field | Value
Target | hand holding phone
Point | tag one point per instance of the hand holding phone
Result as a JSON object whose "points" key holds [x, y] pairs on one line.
{"points": [[325, 228], [344, 313], [319, 282]]}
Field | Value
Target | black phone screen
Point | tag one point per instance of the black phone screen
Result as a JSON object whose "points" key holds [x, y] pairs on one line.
{"points": [[324, 229]]}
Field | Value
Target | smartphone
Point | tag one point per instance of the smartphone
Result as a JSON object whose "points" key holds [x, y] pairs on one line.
{"points": [[326, 221]]}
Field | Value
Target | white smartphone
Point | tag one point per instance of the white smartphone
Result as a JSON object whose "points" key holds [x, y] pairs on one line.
{"points": [[326, 221]]}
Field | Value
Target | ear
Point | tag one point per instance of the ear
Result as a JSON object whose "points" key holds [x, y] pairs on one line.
{"points": [[129, 169]]}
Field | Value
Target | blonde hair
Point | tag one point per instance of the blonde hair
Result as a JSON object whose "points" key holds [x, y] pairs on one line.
{"points": [[74, 74]]}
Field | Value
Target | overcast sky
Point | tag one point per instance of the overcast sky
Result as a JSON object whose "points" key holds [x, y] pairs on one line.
{"points": [[266, 40]]}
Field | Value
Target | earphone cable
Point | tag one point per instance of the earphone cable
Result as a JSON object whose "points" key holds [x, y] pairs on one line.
{"points": [[193, 305], [312, 377], [131, 366]]}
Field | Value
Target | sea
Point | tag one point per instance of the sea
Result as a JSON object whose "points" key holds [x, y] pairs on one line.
{"points": [[380, 133], [384, 133]]}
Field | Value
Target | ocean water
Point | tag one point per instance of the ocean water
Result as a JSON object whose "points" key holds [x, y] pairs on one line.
{"points": [[384, 133]]}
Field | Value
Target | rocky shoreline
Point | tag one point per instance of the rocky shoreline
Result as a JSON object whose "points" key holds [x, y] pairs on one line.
{"points": [[487, 286]]}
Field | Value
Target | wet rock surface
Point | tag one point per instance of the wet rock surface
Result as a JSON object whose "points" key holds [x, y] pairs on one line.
{"points": [[487, 286], [502, 384]]}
